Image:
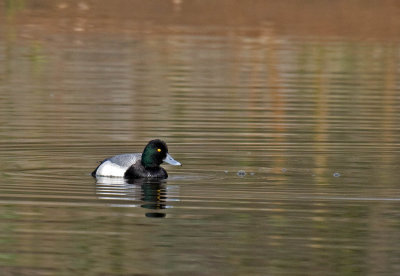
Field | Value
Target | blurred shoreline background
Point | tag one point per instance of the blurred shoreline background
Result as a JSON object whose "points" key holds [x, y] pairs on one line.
{"points": [[354, 19]]}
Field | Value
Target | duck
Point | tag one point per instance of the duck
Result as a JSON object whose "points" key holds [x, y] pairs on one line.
{"points": [[138, 165]]}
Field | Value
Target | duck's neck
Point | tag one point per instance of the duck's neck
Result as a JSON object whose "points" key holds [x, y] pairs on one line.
{"points": [[148, 161]]}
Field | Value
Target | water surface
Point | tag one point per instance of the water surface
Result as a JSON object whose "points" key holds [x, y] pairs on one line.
{"points": [[289, 145]]}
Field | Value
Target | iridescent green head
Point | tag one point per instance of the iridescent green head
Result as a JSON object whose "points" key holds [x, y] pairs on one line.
{"points": [[155, 153]]}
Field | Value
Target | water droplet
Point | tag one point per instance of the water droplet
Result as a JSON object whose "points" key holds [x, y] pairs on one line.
{"points": [[241, 173], [336, 174]]}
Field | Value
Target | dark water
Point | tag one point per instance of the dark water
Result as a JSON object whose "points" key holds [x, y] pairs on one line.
{"points": [[289, 145]]}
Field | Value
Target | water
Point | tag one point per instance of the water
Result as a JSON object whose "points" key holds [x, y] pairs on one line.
{"points": [[289, 145]]}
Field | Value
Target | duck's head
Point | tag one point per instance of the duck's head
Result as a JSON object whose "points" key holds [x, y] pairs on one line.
{"points": [[156, 152]]}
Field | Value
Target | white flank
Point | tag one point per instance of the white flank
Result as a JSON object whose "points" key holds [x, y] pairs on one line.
{"points": [[110, 169]]}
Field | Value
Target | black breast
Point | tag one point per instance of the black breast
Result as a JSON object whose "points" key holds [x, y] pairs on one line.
{"points": [[139, 171]]}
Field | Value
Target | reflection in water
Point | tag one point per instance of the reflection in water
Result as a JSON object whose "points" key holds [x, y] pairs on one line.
{"points": [[150, 193], [154, 196]]}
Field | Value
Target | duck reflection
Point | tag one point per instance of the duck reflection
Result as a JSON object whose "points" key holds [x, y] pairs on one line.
{"points": [[150, 193]]}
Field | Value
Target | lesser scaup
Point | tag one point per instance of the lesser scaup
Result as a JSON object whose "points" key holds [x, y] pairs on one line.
{"points": [[138, 165]]}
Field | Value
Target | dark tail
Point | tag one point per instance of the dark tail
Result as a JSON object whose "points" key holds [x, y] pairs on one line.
{"points": [[95, 170]]}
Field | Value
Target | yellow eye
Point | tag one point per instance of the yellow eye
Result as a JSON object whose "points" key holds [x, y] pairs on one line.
{"points": [[159, 150]]}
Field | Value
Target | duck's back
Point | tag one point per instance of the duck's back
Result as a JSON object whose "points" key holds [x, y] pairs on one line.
{"points": [[125, 160], [117, 165]]}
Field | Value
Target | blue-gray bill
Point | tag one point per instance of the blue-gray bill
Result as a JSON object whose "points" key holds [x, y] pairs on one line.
{"points": [[171, 160]]}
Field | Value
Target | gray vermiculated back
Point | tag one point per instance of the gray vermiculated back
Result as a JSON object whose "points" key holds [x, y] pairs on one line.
{"points": [[125, 160]]}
